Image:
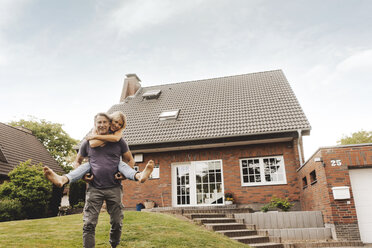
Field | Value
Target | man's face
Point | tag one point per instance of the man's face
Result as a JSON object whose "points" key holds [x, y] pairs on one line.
{"points": [[102, 125]]}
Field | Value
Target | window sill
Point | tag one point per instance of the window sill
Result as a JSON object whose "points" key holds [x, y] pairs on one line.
{"points": [[263, 184], [314, 182]]}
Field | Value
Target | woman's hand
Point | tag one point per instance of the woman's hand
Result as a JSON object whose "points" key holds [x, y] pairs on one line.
{"points": [[90, 137]]}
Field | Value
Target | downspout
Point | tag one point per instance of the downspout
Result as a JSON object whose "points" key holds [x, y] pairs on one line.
{"points": [[299, 147]]}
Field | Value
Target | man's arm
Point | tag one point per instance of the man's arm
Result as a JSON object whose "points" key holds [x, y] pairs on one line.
{"points": [[128, 158], [78, 160]]}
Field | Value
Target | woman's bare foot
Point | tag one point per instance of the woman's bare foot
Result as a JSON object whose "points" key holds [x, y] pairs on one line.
{"points": [[147, 171], [56, 179]]}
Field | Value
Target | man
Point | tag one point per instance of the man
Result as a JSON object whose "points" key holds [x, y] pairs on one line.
{"points": [[104, 186]]}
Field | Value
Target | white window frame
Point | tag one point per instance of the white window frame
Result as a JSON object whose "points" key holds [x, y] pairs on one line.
{"points": [[169, 115], [262, 172], [192, 183], [150, 94]]}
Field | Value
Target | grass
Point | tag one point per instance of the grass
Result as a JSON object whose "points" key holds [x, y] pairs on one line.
{"points": [[141, 229]]}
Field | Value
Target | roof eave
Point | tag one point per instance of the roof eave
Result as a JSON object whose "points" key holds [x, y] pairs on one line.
{"points": [[215, 142]]}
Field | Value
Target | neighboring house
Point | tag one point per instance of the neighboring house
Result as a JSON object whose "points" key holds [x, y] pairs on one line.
{"points": [[338, 181], [18, 145], [238, 134]]}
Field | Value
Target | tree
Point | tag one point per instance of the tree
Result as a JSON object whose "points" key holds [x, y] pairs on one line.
{"points": [[356, 138], [28, 185], [58, 143]]}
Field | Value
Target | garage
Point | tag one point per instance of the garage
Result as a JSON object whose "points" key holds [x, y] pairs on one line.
{"points": [[361, 183]]}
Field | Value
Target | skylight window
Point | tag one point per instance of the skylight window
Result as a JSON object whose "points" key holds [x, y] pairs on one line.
{"points": [[169, 115], [151, 94]]}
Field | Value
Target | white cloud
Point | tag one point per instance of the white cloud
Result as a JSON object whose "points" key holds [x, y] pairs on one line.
{"points": [[354, 71], [10, 11], [338, 99], [136, 15], [360, 62]]}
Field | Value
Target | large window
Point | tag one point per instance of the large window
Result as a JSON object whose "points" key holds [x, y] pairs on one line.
{"points": [[262, 171]]}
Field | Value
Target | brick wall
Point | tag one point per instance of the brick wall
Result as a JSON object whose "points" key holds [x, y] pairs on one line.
{"points": [[315, 195], [334, 172], [159, 190], [347, 231]]}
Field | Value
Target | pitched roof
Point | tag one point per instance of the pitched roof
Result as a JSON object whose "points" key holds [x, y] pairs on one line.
{"points": [[242, 105], [18, 146]]}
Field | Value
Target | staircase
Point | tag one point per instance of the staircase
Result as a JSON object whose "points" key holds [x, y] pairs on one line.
{"points": [[299, 229], [225, 224]]}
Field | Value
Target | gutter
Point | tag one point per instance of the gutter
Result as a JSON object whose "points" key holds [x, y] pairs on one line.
{"points": [[299, 146]]}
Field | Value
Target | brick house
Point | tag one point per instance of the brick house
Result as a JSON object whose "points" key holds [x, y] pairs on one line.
{"points": [[337, 181], [18, 145], [239, 134]]}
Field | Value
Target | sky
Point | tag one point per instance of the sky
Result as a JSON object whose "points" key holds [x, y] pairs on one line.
{"points": [[64, 61]]}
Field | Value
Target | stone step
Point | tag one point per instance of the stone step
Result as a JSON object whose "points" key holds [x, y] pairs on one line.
{"points": [[214, 220], [253, 239], [266, 245], [217, 210], [314, 233], [237, 233], [204, 215], [324, 244], [225, 226]]}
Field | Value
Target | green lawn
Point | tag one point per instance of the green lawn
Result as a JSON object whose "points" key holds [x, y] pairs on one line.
{"points": [[141, 229]]}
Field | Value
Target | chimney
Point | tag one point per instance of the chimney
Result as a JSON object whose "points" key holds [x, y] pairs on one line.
{"points": [[130, 87]]}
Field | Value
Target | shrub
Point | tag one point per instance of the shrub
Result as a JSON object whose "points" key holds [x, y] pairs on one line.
{"points": [[77, 192], [79, 205], [279, 203], [28, 185], [265, 208], [10, 209]]}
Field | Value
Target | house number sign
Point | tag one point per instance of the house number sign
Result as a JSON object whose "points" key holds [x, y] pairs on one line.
{"points": [[336, 162]]}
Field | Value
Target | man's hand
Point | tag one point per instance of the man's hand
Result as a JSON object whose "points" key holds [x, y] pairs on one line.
{"points": [[119, 176], [88, 177]]}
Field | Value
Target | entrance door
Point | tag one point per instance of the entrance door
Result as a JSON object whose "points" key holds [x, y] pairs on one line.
{"points": [[361, 185], [182, 175], [198, 183]]}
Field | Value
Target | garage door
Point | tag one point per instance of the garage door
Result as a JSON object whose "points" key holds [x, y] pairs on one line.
{"points": [[361, 183]]}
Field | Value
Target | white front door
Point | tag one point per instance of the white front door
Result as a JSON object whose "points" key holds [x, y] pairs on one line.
{"points": [[197, 183], [361, 184]]}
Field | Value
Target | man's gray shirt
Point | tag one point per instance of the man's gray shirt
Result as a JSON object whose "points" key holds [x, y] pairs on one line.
{"points": [[104, 162]]}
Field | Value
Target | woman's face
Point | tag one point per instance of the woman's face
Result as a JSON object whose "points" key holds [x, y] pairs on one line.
{"points": [[116, 123]]}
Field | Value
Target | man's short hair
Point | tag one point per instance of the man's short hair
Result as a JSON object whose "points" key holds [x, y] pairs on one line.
{"points": [[102, 114]]}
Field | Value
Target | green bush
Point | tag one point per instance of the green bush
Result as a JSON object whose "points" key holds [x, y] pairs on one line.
{"points": [[10, 209], [28, 185], [77, 192], [79, 205], [279, 203]]}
